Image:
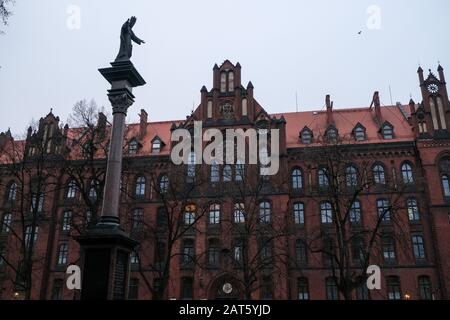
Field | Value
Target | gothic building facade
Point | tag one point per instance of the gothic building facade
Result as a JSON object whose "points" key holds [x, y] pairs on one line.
{"points": [[396, 180]]}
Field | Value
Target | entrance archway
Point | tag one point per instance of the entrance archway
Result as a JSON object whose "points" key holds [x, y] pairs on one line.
{"points": [[225, 287]]}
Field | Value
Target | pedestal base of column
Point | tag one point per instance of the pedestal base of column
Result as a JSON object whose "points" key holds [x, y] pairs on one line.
{"points": [[105, 258]]}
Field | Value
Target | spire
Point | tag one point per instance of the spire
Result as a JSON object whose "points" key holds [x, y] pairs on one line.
{"points": [[204, 89], [250, 85]]}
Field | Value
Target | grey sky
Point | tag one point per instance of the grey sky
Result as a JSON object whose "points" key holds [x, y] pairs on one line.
{"points": [[311, 47]]}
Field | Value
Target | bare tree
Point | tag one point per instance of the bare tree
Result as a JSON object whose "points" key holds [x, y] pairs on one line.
{"points": [[5, 12], [178, 191], [255, 248], [30, 171], [85, 163], [347, 243]]}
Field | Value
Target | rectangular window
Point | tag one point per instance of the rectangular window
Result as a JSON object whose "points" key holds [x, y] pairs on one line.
{"points": [[62, 254], [393, 286], [303, 289], [67, 221], [213, 254], [388, 245], [238, 247], [331, 289], [299, 213], [384, 209], [137, 220], [57, 292], [214, 214], [413, 210], [418, 247], [133, 289], [6, 223], [30, 236], [301, 254], [187, 288]]}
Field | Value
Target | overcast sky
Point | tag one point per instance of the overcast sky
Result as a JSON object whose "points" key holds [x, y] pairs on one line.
{"points": [[313, 48]]}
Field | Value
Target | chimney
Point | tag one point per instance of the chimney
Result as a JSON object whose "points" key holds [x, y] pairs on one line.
{"points": [[329, 105], [376, 104], [143, 116], [101, 122]]}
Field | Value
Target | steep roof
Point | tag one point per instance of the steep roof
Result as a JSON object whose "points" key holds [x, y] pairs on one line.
{"points": [[345, 120]]}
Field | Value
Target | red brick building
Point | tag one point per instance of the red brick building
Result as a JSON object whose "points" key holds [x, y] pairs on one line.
{"points": [[405, 151]]}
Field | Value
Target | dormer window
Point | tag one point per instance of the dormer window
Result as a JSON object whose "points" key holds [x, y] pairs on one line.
{"points": [[133, 147], [331, 134], [359, 133], [156, 145], [387, 131], [306, 136]]}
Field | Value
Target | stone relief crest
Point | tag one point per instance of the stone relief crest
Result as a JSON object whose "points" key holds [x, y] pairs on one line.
{"points": [[227, 111]]}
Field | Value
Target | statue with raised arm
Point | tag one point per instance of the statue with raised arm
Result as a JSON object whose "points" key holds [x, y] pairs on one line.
{"points": [[126, 35]]}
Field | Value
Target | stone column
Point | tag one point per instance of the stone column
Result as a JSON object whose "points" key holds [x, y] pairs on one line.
{"points": [[111, 196], [106, 247]]}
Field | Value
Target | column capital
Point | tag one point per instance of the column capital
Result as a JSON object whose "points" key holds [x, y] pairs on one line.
{"points": [[120, 101]]}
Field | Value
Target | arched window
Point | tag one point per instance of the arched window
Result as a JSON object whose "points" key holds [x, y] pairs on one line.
{"points": [[164, 184], [355, 212], [214, 214], [209, 110], [71, 190], [264, 212], [140, 187], [407, 173], [240, 171], [239, 214], [263, 158], [299, 213], [227, 173], [326, 212], [434, 116], [378, 174], [244, 107], [215, 174], [223, 82], [413, 210], [351, 175], [189, 214], [12, 192], [191, 166], [445, 185], [441, 113], [297, 181], [230, 81], [323, 178], [93, 190]]}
